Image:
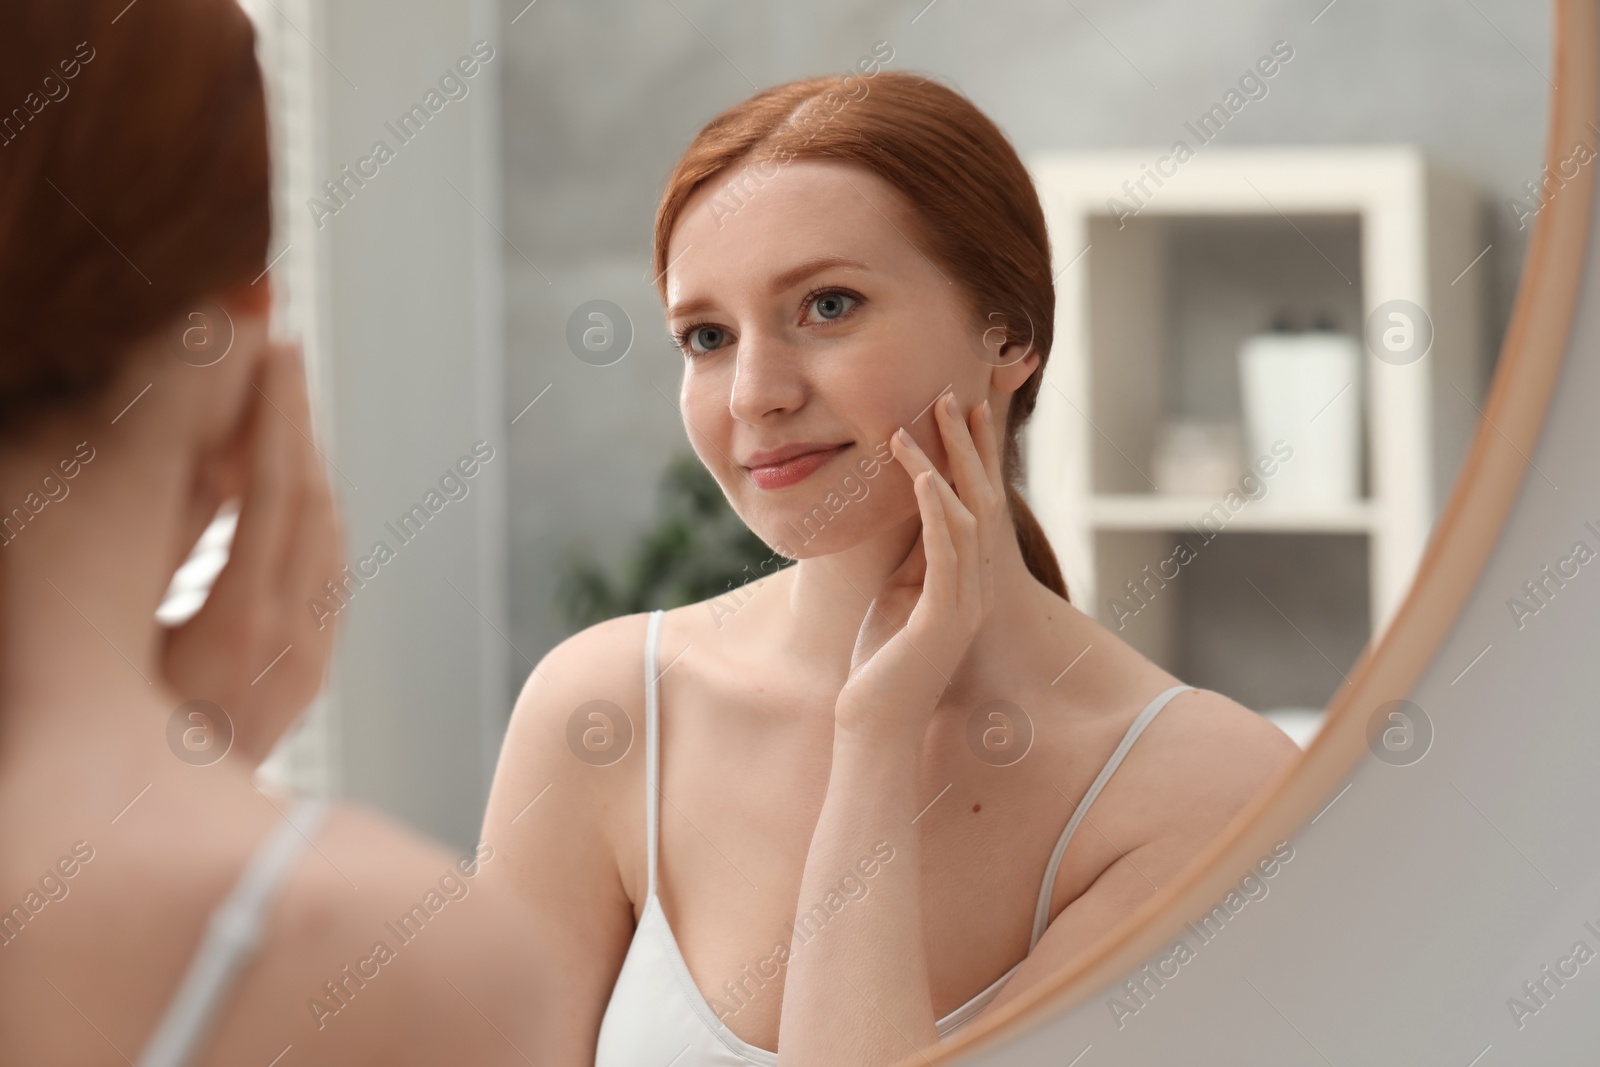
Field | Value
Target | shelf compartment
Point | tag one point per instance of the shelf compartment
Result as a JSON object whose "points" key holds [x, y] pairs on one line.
{"points": [[1151, 511]]}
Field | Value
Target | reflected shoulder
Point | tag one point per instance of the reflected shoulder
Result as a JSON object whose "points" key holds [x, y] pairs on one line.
{"points": [[598, 671], [597, 659], [1203, 759]]}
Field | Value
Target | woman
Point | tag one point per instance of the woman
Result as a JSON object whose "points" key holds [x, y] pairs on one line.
{"points": [[838, 848], [155, 907]]}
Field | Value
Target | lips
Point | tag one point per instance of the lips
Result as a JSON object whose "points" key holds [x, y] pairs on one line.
{"points": [[778, 468]]}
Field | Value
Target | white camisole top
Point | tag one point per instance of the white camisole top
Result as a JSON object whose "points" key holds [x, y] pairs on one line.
{"points": [[657, 1015]]}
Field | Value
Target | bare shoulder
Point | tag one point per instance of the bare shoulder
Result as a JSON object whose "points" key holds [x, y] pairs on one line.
{"points": [[599, 662], [1203, 759], [394, 949], [581, 708], [566, 808], [361, 862], [566, 818]]}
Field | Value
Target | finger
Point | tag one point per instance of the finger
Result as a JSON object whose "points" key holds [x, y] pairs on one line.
{"points": [[311, 563], [284, 596], [264, 514], [315, 554], [290, 396], [989, 448], [939, 583], [910, 454], [981, 496], [960, 530], [331, 542], [963, 523], [966, 532], [972, 481]]}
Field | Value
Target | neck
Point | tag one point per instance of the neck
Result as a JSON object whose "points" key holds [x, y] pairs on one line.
{"points": [[91, 515], [828, 599]]}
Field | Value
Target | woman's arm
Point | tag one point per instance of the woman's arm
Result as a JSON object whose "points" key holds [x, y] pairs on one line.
{"points": [[857, 991], [550, 820]]}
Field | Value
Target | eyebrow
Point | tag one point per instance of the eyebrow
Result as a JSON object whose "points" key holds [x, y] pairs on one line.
{"points": [[795, 274]]}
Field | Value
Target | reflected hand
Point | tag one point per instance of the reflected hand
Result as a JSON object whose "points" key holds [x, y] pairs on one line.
{"points": [[919, 627]]}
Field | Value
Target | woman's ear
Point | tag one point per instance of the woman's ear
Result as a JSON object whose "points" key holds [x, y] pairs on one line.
{"points": [[1009, 352], [1021, 361]]}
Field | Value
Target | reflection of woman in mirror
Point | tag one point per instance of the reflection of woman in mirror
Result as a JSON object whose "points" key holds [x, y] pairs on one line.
{"points": [[153, 902], [876, 808]]}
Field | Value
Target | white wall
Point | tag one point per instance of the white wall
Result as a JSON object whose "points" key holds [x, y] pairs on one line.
{"points": [[413, 345]]}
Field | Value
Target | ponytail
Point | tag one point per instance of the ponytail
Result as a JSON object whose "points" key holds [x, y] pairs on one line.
{"points": [[1036, 550]]}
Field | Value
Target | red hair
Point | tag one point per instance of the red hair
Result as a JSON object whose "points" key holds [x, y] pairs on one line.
{"points": [[977, 213], [134, 183]]}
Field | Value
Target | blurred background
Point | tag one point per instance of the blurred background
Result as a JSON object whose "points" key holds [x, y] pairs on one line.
{"points": [[1389, 164]]}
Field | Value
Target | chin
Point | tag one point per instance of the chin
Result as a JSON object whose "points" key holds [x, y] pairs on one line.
{"points": [[820, 531]]}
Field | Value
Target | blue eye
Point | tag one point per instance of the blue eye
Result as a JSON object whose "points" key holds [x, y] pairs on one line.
{"points": [[702, 338], [832, 305], [707, 338]]}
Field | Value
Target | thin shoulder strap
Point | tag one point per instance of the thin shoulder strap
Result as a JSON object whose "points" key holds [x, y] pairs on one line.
{"points": [[1041, 912], [230, 940], [652, 743]]}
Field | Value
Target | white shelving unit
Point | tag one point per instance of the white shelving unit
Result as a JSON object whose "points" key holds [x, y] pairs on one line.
{"points": [[1151, 309]]}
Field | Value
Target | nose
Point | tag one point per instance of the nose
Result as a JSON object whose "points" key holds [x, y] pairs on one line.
{"points": [[768, 377]]}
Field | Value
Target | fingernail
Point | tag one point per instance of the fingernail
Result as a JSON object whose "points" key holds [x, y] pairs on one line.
{"points": [[950, 403], [902, 436], [988, 413]]}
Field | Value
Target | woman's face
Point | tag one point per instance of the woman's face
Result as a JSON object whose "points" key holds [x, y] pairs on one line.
{"points": [[808, 320]]}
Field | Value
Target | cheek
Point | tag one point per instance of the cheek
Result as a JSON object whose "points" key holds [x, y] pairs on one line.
{"points": [[703, 400], [703, 403], [878, 380]]}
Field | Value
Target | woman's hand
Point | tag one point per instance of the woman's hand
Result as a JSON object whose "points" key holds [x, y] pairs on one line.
{"points": [[920, 625], [257, 648], [861, 994]]}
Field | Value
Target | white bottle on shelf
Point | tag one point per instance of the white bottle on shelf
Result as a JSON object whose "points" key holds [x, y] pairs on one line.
{"points": [[1303, 389]]}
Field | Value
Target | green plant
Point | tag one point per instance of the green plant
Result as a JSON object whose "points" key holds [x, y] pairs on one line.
{"points": [[697, 548]]}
